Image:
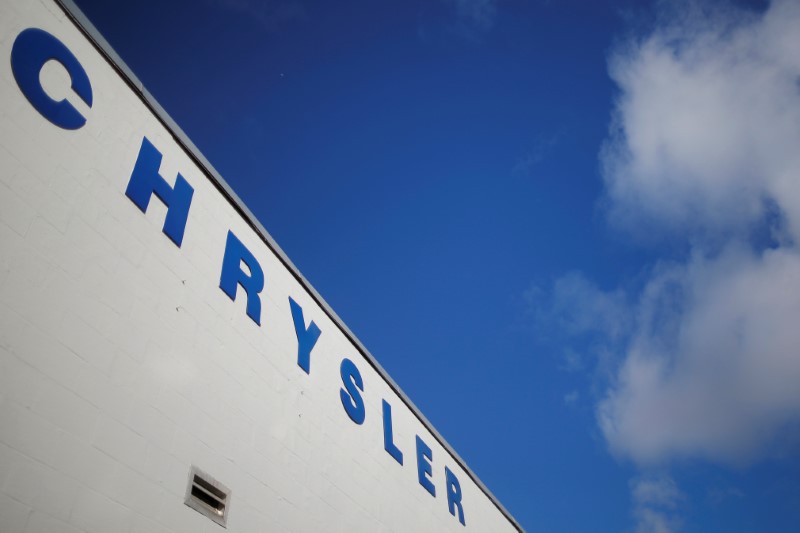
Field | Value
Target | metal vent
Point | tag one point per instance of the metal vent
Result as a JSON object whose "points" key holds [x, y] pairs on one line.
{"points": [[208, 496]]}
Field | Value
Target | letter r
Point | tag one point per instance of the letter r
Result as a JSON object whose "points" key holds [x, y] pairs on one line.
{"points": [[454, 495], [233, 276]]}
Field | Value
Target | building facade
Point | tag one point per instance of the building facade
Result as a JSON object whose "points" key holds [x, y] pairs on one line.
{"points": [[163, 365]]}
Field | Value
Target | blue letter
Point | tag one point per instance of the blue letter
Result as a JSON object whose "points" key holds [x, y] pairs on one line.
{"points": [[232, 275], [32, 49], [146, 181], [306, 338], [454, 495], [424, 456], [351, 398], [388, 441]]}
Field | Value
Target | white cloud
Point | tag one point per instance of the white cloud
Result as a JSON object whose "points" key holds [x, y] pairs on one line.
{"points": [[571, 398], [652, 521], [572, 361], [655, 500], [719, 495], [541, 149], [706, 126], [656, 490], [474, 17], [713, 370], [581, 307], [706, 149]]}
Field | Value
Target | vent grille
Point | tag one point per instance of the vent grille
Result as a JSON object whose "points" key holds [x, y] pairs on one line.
{"points": [[208, 496]]}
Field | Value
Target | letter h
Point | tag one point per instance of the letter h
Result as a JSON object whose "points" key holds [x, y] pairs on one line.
{"points": [[146, 181]]}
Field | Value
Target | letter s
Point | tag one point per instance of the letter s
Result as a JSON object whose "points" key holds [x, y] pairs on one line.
{"points": [[351, 398]]}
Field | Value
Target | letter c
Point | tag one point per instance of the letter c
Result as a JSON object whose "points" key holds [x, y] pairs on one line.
{"points": [[32, 49]]}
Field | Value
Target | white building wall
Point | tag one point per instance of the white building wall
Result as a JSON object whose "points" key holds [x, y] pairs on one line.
{"points": [[122, 362]]}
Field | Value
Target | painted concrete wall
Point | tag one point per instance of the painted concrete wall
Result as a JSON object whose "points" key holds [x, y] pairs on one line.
{"points": [[122, 362]]}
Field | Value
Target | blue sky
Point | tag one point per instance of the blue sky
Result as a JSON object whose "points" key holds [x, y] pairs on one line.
{"points": [[567, 229]]}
